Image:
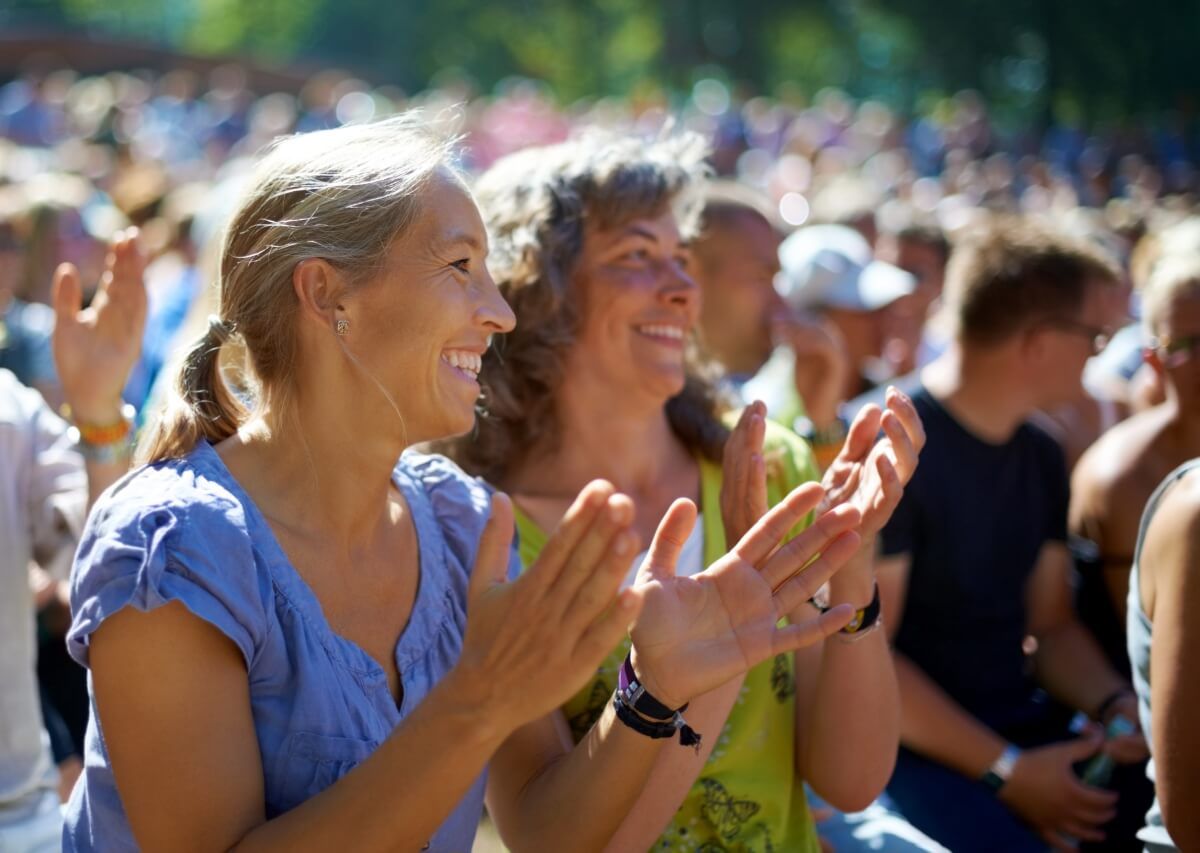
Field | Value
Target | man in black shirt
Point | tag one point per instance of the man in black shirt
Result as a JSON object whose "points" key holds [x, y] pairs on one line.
{"points": [[975, 561]]}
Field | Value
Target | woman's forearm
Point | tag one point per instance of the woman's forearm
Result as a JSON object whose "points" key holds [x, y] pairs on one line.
{"points": [[578, 800], [848, 729], [675, 772]]}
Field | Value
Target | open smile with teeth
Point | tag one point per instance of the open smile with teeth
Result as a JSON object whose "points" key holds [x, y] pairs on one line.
{"points": [[466, 363], [663, 331]]}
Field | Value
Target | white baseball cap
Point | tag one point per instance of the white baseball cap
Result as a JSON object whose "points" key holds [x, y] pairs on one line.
{"points": [[830, 266]]}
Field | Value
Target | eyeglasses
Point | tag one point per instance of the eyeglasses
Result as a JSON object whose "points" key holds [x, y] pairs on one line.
{"points": [[1098, 336], [1176, 352]]}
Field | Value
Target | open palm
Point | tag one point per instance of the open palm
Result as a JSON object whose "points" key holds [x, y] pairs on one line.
{"points": [[96, 347], [695, 633], [870, 474]]}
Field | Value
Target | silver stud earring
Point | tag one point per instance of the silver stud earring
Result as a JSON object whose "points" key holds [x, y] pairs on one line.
{"points": [[342, 326]]}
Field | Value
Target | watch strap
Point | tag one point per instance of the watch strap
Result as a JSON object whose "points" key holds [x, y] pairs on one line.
{"points": [[995, 777]]}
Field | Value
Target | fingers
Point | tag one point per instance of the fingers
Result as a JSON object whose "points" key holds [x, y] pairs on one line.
{"points": [[903, 451], [744, 480], [902, 406], [491, 560], [67, 294], [602, 582], [815, 539], [673, 531], [811, 631], [1127, 749], [126, 272], [884, 500], [1058, 842], [592, 551], [766, 534], [1082, 831], [864, 429], [804, 585], [1097, 802], [598, 641], [570, 531], [1083, 747]]}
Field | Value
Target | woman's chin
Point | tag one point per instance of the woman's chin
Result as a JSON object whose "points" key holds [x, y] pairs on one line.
{"points": [[455, 425]]}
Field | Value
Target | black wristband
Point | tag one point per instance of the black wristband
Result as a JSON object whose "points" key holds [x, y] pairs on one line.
{"points": [[636, 696], [640, 724], [646, 715]]}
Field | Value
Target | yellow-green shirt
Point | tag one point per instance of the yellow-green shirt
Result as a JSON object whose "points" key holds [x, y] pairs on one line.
{"points": [[748, 797]]}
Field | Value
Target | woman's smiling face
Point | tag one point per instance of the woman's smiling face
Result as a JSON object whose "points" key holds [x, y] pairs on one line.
{"points": [[421, 326], [638, 307]]}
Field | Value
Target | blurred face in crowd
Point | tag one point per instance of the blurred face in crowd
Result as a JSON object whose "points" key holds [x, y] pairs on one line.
{"points": [[421, 326], [925, 262], [1059, 347], [638, 308], [864, 332], [735, 265], [1177, 357]]}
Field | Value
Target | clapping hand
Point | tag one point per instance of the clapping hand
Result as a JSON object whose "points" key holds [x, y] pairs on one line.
{"points": [[96, 347], [695, 633], [869, 474], [744, 473], [531, 643]]}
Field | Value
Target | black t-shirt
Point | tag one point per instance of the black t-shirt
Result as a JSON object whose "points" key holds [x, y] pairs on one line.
{"points": [[974, 519]]}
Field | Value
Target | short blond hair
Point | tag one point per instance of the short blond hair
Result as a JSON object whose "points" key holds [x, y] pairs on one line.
{"points": [[1174, 277]]}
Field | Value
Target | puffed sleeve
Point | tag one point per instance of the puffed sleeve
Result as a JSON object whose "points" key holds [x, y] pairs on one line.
{"points": [[462, 506], [141, 550]]}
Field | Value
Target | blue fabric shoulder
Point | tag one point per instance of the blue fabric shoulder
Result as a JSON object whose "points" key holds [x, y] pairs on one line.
{"points": [[461, 505], [171, 532]]}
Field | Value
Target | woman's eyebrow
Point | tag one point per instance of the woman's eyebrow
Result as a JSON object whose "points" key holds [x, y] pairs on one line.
{"points": [[460, 238]]}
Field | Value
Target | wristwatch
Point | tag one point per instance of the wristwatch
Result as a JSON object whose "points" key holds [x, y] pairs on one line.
{"points": [[831, 436], [1001, 769], [863, 620]]}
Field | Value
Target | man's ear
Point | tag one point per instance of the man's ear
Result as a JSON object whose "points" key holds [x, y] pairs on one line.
{"points": [[1034, 345], [319, 288]]}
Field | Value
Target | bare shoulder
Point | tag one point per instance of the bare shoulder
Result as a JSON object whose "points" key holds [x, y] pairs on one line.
{"points": [[1117, 474]]}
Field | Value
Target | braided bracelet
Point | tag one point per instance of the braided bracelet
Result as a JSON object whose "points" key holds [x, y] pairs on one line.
{"points": [[646, 715]]}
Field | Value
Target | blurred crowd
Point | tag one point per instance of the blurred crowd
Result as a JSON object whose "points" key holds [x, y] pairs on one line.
{"points": [[82, 157], [823, 252]]}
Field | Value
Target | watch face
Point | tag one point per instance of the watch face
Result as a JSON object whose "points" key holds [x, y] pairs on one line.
{"points": [[855, 623]]}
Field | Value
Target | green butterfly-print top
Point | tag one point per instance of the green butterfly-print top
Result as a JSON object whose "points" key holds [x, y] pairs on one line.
{"points": [[748, 797]]}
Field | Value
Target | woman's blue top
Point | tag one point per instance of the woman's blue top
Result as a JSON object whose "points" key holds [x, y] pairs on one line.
{"points": [[184, 530]]}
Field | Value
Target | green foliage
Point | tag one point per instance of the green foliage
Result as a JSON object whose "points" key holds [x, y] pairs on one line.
{"points": [[1092, 59], [273, 29]]}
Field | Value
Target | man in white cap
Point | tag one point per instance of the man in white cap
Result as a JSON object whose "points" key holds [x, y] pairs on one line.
{"points": [[829, 279], [829, 270]]}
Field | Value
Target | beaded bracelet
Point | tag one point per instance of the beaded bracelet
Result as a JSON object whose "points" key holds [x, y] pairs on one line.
{"points": [[105, 444]]}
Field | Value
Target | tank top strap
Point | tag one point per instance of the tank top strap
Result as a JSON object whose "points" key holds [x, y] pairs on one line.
{"points": [[1157, 498]]}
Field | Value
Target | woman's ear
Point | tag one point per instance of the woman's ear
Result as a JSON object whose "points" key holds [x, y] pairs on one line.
{"points": [[319, 289]]}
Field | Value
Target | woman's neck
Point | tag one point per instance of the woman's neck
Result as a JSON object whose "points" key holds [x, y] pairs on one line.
{"points": [[624, 441], [632, 453], [315, 472]]}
